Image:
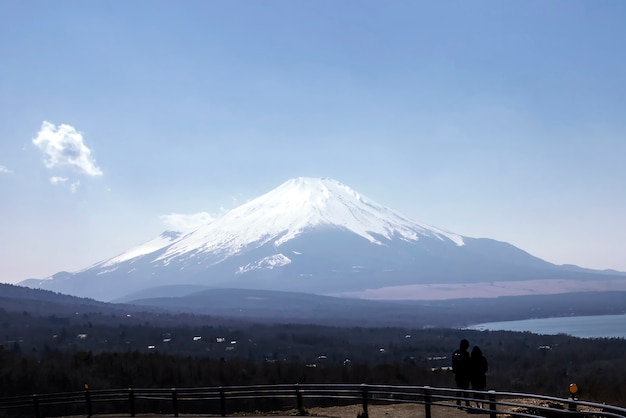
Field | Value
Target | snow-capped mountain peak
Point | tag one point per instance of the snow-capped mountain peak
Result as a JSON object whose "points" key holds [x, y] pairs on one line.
{"points": [[298, 205], [310, 235]]}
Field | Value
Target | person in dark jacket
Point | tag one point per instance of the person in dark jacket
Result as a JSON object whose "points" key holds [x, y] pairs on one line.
{"points": [[478, 374], [461, 369]]}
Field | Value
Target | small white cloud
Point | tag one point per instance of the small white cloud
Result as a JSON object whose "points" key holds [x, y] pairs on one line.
{"points": [[58, 180], [186, 222], [74, 186], [63, 146], [4, 170]]}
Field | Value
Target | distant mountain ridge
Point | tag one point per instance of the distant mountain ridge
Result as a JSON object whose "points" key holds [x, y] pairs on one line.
{"points": [[316, 236], [259, 306]]}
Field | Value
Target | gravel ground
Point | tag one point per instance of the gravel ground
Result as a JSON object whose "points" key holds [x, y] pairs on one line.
{"points": [[400, 410]]}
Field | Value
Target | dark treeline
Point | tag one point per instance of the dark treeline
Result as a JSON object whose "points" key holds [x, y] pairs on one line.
{"points": [[545, 372]]}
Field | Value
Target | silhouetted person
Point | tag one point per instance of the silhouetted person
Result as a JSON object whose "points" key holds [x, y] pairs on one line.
{"points": [[461, 369], [478, 373]]}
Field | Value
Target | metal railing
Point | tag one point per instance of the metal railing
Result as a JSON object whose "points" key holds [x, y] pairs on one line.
{"points": [[232, 399]]}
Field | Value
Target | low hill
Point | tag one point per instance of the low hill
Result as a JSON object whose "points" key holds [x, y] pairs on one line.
{"points": [[291, 307]]}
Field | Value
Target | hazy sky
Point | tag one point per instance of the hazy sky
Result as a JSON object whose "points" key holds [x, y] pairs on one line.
{"points": [[498, 119]]}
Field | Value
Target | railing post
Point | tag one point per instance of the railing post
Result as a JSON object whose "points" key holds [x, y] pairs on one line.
{"points": [[365, 395], [174, 402], [222, 401], [131, 402], [88, 401], [299, 400], [427, 401], [36, 406], [492, 404]]}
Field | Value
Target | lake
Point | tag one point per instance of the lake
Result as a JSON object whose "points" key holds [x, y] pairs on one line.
{"points": [[609, 326]]}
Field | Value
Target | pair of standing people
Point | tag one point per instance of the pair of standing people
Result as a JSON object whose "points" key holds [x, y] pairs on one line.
{"points": [[469, 369]]}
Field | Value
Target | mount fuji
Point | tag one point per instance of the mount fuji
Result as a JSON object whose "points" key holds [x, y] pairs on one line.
{"points": [[317, 236]]}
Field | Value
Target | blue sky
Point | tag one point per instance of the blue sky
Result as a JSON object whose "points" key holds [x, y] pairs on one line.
{"points": [[494, 119]]}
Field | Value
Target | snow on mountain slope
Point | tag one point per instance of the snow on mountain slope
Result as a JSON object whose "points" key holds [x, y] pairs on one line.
{"points": [[270, 262], [294, 207], [162, 241]]}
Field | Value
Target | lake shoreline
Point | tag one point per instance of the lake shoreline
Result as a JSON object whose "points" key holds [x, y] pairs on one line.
{"points": [[588, 326]]}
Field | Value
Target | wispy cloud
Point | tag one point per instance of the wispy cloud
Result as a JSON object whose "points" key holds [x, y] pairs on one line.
{"points": [[57, 180], [64, 146], [186, 222], [4, 170]]}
